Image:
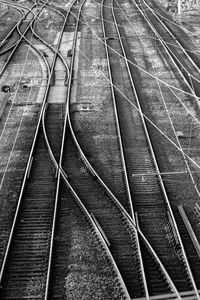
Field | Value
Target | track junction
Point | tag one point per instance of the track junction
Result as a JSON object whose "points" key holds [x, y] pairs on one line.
{"points": [[99, 119]]}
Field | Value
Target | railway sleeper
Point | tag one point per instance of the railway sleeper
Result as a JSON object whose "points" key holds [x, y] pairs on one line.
{"points": [[35, 260], [30, 224], [197, 210], [32, 231], [172, 238], [164, 279], [42, 221], [30, 297], [25, 235], [20, 278], [23, 269], [185, 269]]}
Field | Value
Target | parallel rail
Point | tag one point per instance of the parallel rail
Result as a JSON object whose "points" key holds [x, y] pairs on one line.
{"points": [[162, 204], [193, 68], [39, 175], [79, 178], [21, 13], [4, 249], [112, 227], [12, 39], [38, 183], [60, 172], [180, 56]]}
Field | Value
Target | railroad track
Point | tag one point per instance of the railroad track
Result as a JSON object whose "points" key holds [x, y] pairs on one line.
{"points": [[32, 233], [16, 15], [88, 192], [113, 228], [184, 232], [13, 39], [151, 189], [8, 110], [187, 63], [24, 24], [87, 189], [70, 150], [32, 222]]}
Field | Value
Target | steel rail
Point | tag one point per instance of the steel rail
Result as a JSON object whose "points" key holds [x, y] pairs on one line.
{"points": [[175, 58], [178, 43], [118, 204], [141, 116], [171, 213], [55, 9], [57, 170], [193, 181], [172, 56], [70, 123], [38, 37], [123, 212], [52, 49], [117, 118], [167, 18], [23, 7], [187, 84], [169, 206], [192, 91], [121, 146], [14, 27], [190, 88], [15, 45], [84, 209], [189, 229], [27, 166], [155, 253], [118, 5], [18, 42], [23, 34], [60, 173]]}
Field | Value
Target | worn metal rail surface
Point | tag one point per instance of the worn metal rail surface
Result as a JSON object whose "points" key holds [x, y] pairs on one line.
{"points": [[25, 264], [89, 192], [186, 63], [13, 38], [59, 248], [150, 194], [188, 243]]}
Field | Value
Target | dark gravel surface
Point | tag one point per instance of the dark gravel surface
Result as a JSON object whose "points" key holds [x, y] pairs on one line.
{"points": [[17, 128], [172, 111], [96, 127], [82, 269], [49, 25], [8, 18]]}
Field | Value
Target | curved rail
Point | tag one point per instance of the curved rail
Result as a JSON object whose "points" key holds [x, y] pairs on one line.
{"points": [[60, 172], [117, 203], [57, 169], [179, 46], [19, 41], [52, 48], [194, 285], [122, 149], [27, 168], [93, 171], [16, 27], [50, 72], [140, 113], [169, 205], [187, 84]]}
